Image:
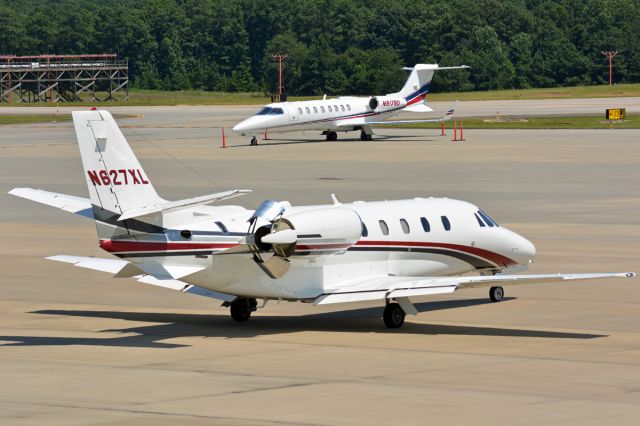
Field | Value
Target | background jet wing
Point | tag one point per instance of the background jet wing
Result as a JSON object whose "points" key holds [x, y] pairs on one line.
{"points": [[121, 269], [70, 203], [382, 286]]}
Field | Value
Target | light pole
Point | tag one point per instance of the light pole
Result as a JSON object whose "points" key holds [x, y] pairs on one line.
{"points": [[610, 54], [280, 58]]}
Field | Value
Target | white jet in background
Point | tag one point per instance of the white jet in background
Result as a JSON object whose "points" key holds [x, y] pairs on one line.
{"points": [[387, 251], [345, 114]]}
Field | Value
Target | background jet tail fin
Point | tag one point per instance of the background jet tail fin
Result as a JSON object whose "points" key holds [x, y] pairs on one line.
{"points": [[417, 85], [114, 176]]}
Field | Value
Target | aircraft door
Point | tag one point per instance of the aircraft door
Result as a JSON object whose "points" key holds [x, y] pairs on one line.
{"points": [[293, 112]]}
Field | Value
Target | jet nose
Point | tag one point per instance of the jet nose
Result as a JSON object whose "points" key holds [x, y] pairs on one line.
{"points": [[525, 250], [240, 127]]}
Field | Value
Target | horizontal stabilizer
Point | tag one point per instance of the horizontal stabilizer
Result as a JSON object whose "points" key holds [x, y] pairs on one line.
{"points": [[182, 204], [435, 67], [122, 268], [69, 203]]}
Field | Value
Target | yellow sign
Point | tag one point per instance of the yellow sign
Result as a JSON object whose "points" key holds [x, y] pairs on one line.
{"points": [[615, 113]]}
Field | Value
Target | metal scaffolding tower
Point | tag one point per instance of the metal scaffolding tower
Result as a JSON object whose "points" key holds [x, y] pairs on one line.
{"points": [[63, 78]]}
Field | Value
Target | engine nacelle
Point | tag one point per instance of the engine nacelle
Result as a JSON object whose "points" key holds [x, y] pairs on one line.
{"points": [[386, 103], [324, 230]]}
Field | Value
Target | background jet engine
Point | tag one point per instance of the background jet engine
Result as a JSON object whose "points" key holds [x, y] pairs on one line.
{"points": [[386, 103]]}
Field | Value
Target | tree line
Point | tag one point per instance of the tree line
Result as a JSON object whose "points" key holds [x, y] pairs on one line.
{"points": [[336, 46]]}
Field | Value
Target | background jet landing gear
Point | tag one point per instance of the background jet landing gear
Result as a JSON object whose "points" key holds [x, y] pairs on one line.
{"points": [[364, 136], [242, 307], [496, 294], [331, 135], [254, 141], [393, 315]]}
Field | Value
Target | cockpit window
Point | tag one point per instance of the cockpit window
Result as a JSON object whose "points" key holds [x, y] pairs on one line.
{"points": [[487, 219], [270, 111], [480, 222]]}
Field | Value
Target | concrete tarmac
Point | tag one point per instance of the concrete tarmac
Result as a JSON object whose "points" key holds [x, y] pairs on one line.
{"points": [[79, 347]]}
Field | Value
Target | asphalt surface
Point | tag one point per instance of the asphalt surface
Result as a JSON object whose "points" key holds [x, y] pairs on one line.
{"points": [[79, 347]]}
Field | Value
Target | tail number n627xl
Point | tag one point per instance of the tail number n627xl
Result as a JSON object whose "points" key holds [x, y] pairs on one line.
{"points": [[117, 177]]}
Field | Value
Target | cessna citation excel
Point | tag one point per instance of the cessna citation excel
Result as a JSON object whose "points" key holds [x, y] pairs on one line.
{"points": [[346, 114], [387, 251]]}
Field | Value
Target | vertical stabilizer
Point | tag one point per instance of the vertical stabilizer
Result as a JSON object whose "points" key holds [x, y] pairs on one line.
{"points": [[418, 84], [115, 178]]}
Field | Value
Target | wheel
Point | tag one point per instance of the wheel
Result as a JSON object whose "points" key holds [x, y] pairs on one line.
{"points": [[254, 141], [242, 307], [393, 316], [365, 137], [496, 294], [332, 136]]}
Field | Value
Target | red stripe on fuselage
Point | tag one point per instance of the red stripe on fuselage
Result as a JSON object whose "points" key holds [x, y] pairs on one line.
{"points": [[144, 246], [496, 258], [133, 246]]}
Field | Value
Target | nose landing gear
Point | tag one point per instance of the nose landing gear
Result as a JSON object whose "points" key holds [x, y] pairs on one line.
{"points": [[254, 141]]}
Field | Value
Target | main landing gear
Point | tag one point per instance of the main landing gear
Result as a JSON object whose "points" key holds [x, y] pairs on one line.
{"points": [[242, 307], [254, 141], [364, 136], [496, 294], [393, 315], [331, 135]]}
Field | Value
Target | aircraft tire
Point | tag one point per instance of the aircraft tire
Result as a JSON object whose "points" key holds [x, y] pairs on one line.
{"points": [[254, 141], [332, 136], [393, 315], [242, 307], [496, 294]]}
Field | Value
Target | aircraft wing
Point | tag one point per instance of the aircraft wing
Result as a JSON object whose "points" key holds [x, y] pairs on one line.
{"points": [[122, 268], [70, 203], [384, 286]]}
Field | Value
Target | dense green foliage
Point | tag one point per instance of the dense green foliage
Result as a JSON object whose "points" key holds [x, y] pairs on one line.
{"points": [[336, 46]]}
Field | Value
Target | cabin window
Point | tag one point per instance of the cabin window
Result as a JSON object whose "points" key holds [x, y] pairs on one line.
{"points": [[335, 107], [329, 108], [307, 110], [487, 219], [322, 109], [222, 227], [383, 227], [425, 224], [342, 108], [365, 231], [480, 222], [348, 107], [315, 110], [446, 223], [300, 111], [405, 226]]}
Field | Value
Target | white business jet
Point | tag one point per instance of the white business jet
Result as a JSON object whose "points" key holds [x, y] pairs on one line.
{"points": [[387, 251], [346, 114]]}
